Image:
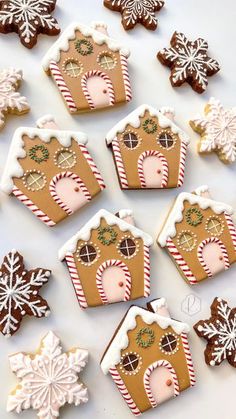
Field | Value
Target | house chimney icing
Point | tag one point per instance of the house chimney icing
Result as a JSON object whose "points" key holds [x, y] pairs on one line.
{"points": [[203, 191], [159, 306], [100, 27], [126, 215], [168, 112], [47, 122]]}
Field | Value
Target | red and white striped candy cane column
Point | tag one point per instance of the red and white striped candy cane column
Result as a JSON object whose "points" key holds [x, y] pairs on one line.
{"points": [[181, 262], [29, 204], [188, 355], [76, 280], [125, 72], [183, 152], [56, 73], [93, 166], [231, 228], [122, 388], [120, 164]]}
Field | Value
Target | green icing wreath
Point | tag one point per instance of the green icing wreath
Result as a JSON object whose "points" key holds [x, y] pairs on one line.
{"points": [[194, 217], [84, 47], [107, 235], [145, 342], [39, 153], [149, 126]]}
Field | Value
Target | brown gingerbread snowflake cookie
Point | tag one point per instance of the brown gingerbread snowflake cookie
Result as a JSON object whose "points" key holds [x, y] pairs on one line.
{"points": [[19, 293], [189, 62], [220, 333], [136, 11], [28, 18]]}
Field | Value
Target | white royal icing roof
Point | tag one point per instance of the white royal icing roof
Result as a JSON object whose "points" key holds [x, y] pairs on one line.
{"points": [[62, 44], [133, 119], [94, 223], [120, 342], [16, 151], [176, 214]]}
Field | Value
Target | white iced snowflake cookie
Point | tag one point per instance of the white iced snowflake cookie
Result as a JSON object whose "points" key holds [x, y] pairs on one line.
{"points": [[28, 18], [220, 334], [10, 100], [218, 131], [189, 62], [48, 379], [136, 11], [19, 293]]}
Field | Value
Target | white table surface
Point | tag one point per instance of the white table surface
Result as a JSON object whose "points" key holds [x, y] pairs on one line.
{"points": [[214, 394]]}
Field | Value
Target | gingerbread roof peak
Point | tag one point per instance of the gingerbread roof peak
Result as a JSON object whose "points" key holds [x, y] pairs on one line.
{"points": [[17, 151], [94, 223], [176, 214], [62, 44], [120, 341], [133, 119]]}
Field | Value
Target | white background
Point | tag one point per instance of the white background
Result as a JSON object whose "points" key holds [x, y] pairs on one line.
{"points": [[214, 394]]}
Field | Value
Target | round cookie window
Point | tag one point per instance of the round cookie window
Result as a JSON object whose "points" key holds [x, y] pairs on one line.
{"points": [[166, 140], [127, 247], [107, 61], [130, 362], [87, 253], [65, 158], [169, 343], [214, 226], [34, 180], [130, 140], [187, 240], [73, 68]]}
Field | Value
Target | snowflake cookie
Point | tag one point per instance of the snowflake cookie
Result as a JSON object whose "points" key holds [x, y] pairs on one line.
{"points": [[10, 100], [48, 379], [136, 11], [220, 333], [218, 131], [189, 62], [28, 18], [19, 293]]}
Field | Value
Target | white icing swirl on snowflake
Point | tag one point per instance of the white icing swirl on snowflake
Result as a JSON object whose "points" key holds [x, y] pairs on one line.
{"points": [[219, 130], [48, 379]]}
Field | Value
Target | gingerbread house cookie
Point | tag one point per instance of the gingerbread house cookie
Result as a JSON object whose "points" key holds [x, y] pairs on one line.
{"points": [[89, 68], [149, 357], [108, 260], [51, 171], [200, 236], [149, 149]]}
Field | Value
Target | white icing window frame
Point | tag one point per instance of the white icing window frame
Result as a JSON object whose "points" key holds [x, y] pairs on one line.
{"points": [[221, 222], [172, 352], [194, 236], [61, 150], [67, 61], [174, 137], [28, 173], [130, 131], [111, 55], [125, 237], [78, 257], [136, 371]]}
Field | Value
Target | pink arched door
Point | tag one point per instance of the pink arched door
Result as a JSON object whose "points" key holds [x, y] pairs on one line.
{"points": [[69, 192], [98, 89], [153, 170], [161, 385], [213, 258], [113, 282]]}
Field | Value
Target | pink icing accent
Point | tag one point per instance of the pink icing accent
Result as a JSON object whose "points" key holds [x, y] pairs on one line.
{"points": [[98, 89], [158, 385], [50, 125], [70, 194], [153, 172], [101, 28], [113, 283], [213, 258]]}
